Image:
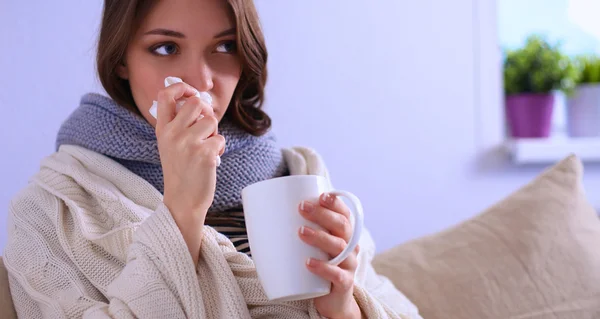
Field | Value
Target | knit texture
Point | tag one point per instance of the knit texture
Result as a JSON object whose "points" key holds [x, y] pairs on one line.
{"points": [[101, 125], [87, 238]]}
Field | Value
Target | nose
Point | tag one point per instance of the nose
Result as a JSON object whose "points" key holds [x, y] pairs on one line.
{"points": [[199, 75]]}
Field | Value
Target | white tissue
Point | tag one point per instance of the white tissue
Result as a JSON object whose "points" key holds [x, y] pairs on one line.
{"points": [[204, 96], [170, 80]]}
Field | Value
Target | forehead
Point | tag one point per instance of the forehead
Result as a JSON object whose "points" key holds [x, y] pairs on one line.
{"points": [[192, 17]]}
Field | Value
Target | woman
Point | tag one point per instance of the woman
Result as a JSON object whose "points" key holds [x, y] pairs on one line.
{"points": [[113, 225]]}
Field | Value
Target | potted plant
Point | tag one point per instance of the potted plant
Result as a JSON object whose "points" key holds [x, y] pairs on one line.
{"points": [[583, 108], [531, 75]]}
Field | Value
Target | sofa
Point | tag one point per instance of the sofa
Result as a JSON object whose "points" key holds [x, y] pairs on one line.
{"points": [[533, 255]]}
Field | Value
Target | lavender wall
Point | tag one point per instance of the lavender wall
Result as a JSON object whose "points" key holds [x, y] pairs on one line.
{"points": [[386, 91]]}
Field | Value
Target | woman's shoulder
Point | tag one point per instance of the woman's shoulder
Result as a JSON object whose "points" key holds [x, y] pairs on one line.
{"points": [[86, 189], [31, 210], [59, 171], [71, 174], [39, 197], [37, 194]]}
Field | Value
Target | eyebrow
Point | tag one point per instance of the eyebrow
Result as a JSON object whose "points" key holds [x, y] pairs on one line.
{"points": [[225, 33], [177, 34], [167, 32]]}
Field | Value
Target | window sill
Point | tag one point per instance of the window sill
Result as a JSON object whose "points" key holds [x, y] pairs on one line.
{"points": [[552, 150]]}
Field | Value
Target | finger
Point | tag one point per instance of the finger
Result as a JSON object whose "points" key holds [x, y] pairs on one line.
{"points": [[330, 244], [335, 204], [335, 223], [191, 111], [326, 242], [167, 98], [216, 143], [205, 127], [350, 263], [341, 279]]}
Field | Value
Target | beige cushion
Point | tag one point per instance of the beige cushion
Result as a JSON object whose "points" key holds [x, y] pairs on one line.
{"points": [[6, 306], [534, 255]]}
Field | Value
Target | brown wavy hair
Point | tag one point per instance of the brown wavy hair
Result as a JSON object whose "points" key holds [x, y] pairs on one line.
{"points": [[120, 20]]}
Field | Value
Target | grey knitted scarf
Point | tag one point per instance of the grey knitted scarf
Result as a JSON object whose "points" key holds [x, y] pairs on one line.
{"points": [[100, 125]]}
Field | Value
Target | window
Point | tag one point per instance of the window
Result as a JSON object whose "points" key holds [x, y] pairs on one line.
{"points": [[573, 23], [575, 121]]}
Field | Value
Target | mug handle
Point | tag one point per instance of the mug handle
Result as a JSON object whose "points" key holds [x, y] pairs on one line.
{"points": [[357, 211]]}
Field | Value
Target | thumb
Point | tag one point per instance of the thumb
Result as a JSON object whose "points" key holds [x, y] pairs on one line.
{"points": [[167, 102]]}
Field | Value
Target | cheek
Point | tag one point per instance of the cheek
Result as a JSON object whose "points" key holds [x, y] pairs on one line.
{"points": [[226, 80], [145, 80]]}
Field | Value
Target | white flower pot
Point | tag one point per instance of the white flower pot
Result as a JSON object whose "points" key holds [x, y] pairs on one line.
{"points": [[583, 111]]}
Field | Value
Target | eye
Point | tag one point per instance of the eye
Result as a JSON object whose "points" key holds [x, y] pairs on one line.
{"points": [[165, 49], [227, 47]]}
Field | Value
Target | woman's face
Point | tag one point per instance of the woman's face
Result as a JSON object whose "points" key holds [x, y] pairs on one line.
{"points": [[194, 40]]}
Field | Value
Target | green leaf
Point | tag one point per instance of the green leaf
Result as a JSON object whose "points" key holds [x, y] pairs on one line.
{"points": [[540, 67], [588, 67]]}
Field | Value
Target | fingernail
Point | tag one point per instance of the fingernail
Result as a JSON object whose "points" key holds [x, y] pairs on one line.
{"points": [[307, 206], [306, 231], [310, 262], [154, 109], [328, 199], [169, 80]]}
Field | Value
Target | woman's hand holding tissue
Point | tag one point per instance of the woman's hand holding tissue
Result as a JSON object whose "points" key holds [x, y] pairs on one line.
{"points": [[188, 144], [334, 217]]}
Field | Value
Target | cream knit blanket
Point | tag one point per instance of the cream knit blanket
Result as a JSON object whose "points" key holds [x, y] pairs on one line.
{"points": [[88, 238]]}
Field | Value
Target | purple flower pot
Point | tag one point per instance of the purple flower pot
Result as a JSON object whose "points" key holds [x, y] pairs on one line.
{"points": [[530, 115]]}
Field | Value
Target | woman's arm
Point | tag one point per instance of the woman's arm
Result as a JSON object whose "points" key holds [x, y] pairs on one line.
{"points": [[158, 281]]}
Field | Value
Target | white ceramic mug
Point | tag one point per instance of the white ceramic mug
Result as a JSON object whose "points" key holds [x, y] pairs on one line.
{"points": [[272, 223]]}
